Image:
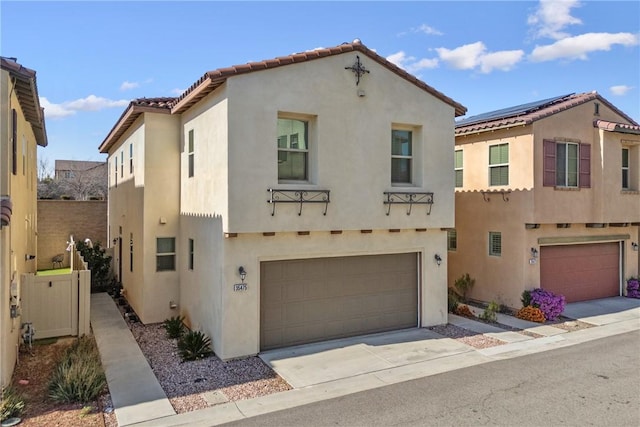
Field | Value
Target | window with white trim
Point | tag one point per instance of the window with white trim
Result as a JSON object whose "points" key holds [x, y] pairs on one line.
{"points": [[567, 164], [495, 243], [625, 169], [122, 164], [130, 158], [401, 156], [452, 240], [458, 168], [499, 164], [191, 154], [165, 253], [293, 149]]}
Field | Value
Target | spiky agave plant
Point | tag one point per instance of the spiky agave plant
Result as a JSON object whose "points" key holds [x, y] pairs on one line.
{"points": [[194, 345]]}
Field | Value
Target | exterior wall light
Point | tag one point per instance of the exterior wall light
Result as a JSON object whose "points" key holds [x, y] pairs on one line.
{"points": [[534, 253], [243, 273], [634, 246], [438, 259]]}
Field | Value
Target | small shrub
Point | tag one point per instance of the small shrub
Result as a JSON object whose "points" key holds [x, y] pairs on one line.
{"points": [[552, 305], [453, 299], [633, 287], [79, 376], [11, 404], [526, 298], [464, 285], [489, 314], [174, 326], [532, 314], [194, 345], [99, 263], [463, 310]]}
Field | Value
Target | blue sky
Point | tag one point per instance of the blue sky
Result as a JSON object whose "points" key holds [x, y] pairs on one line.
{"points": [[91, 58]]}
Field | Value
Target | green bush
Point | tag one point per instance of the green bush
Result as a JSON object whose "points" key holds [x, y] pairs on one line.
{"points": [[489, 313], [464, 285], [99, 264], [79, 376], [11, 404], [194, 345], [453, 299], [174, 326], [526, 298]]}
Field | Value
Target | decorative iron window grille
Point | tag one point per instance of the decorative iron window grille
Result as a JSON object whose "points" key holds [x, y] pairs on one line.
{"points": [[408, 198], [298, 196]]}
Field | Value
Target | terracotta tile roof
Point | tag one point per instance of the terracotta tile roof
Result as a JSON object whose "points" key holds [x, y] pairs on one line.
{"points": [[213, 79], [131, 113], [617, 127], [529, 113], [27, 92]]}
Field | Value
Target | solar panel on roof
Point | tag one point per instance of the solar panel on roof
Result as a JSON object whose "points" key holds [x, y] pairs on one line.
{"points": [[514, 111]]}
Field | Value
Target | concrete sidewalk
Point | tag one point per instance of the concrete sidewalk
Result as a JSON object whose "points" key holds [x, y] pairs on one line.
{"points": [[135, 392], [336, 368]]}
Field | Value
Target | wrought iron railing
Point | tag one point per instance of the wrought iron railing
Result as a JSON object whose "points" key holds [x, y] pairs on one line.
{"points": [[408, 198], [297, 196]]}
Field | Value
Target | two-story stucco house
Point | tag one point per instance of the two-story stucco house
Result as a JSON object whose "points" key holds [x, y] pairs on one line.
{"points": [[286, 201], [22, 129], [547, 195]]}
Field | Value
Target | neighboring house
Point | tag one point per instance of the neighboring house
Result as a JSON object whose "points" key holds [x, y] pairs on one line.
{"points": [[22, 130], [547, 196], [82, 180], [270, 202]]}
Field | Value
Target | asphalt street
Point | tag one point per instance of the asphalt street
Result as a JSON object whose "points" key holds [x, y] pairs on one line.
{"points": [[592, 384]]}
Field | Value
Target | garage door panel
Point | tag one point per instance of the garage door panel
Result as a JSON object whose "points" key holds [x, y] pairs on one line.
{"points": [[352, 296], [581, 272]]}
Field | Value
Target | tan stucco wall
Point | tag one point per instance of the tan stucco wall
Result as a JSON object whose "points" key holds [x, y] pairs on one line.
{"points": [[18, 239], [504, 278], [236, 329], [145, 205], [58, 219]]}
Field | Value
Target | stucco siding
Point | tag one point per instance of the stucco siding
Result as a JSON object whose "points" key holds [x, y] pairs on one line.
{"points": [[350, 147]]}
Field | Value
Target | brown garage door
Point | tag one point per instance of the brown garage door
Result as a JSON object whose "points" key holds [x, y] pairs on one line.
{"points": [[317, 299], [581, 272]]}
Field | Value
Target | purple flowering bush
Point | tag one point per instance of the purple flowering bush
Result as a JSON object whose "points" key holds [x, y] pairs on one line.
{"points": [[550, 304], [633, 288]]}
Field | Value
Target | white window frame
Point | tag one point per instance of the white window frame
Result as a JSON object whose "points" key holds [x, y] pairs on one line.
{"points": [[283, 151], [131, 158], [499, 165], [459, 168], [452, 240], [191, 153], [565, 146], [495, 243], [166, 254], [626, 171], [401, 156]]}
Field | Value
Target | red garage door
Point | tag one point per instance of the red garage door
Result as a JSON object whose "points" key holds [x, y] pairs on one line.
{"points": [[581, 272]]}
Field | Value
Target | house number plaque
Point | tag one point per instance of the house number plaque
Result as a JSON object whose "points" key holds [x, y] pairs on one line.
{"points": [[239, 287]]}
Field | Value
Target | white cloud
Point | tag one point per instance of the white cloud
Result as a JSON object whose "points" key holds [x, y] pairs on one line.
{"points": [[579, 46], [177, 91], [410, 63], [69, 108], [620, 90], [126, 85], [503, 60], [427, 29], [552, 16]]}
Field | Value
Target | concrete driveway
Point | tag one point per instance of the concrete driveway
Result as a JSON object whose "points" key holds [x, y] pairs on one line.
{"points": [[409, 351]]}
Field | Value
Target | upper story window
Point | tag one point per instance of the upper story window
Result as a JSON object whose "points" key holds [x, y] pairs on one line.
{"points": [[191, 250], [625, 169], [567, 164], [14, 141], [458, 168], [165, 253], [130, 158], [293, 149], [495, 243], [122, 164], [499, 164], [401, 156], [115, 162], [191, 153]]}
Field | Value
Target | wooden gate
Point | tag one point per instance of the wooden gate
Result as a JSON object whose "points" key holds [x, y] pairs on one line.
{"points": [[57, 305]]}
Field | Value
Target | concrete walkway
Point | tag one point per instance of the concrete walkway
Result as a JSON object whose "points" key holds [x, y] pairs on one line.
{"points": [[336, 368], [135, 392]]}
